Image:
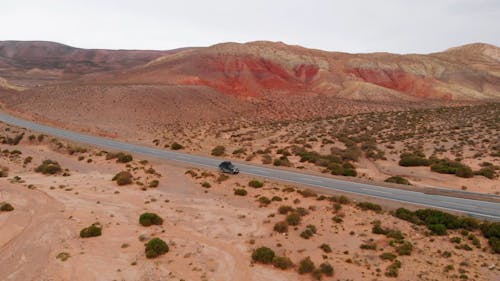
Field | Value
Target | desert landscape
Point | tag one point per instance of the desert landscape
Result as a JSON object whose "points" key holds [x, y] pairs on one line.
{"points": [[420, 122], [217, 227]]}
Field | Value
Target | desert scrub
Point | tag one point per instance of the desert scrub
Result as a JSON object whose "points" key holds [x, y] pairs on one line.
{"points": [[326, 269], [398, 180], [255, 184], [240, 192], [155, 248], [326, 248], [63, 256], [285, 209], [307, 193], [388, 256], [307, 233], [6, 207], [48, 167], [370, 206], [413, 160], [221, 178], [263, 255], [281, 227], [282, 262], [368, 246], [306, 265], [445, 166], [191, 173], [393, 269], [147, 219], [293, 219], [91, 231], [264, 201], [218, 150], [206, 184], [404, 249], [123, 178], [176, 146], [154, 183]]}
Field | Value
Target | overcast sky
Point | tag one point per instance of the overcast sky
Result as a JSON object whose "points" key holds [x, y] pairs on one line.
{"points": [[413, 26]]}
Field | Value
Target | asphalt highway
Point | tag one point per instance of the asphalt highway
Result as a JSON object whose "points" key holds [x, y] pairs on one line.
{"points": [[475, 208]]}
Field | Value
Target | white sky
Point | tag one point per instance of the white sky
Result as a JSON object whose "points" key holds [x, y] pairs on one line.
{"points": [[400, 26]]}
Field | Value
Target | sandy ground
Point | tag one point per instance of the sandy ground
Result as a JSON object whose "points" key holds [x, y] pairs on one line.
{"points": [[210, 231]]}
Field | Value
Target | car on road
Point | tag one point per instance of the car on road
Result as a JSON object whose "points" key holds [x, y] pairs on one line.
{"points": [[228, 167]]}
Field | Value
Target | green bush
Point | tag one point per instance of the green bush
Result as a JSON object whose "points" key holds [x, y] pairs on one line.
{"points": [[276, 198], [307, 233], [326, 248], [176, 146], [431, 216], [307, 193], [281, 227], [445, 166], [123, 178], [487, 172], [48, 167], [326, 269], [491, 230], [456, 240], [388, 256], [91, 231], [437, 229], [413, 160], [282, 262], [407, 215], [393, 269], [404, 249], [218, 150], [255, 184], [123, 157], [155, 247], [306, 266], [240, 192], [368, 246], [147, 219], [285, 209], [263, 200], [154, 183], [6, 207], [370, 206], [398, 180], [263, 255], [293, 219], [344, 200]]}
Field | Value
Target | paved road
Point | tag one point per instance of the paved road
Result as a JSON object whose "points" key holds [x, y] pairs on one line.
{"points": [[479, 209]]}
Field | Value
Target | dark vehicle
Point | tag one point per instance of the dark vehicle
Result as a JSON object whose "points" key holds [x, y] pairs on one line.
{"points": [[228, 167]]}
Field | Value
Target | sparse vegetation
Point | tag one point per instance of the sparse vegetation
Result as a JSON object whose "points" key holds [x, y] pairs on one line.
{"points": [[263, 255], [306, 266], [155, 248], [91, 231], [123, 178], [255, 184], [6, 207], [148, 219], [176, 146], [281, 227], [240, 192], [370, 206], [219, 150], [48, 167], [282, 262], [398, 180]]}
